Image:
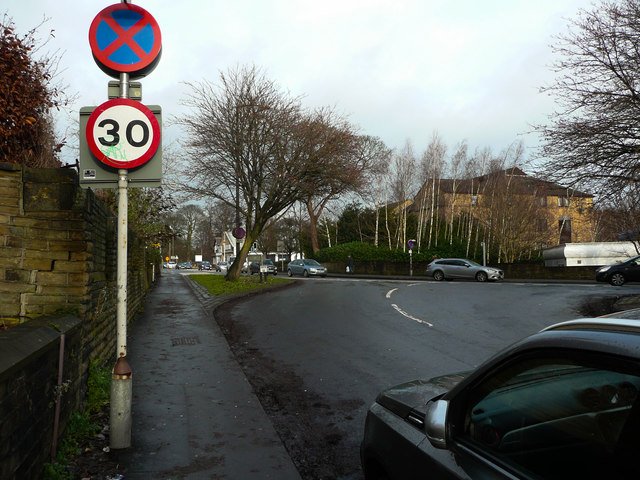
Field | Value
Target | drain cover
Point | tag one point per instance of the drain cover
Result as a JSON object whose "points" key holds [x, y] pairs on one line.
{"points": [[185, 341]]}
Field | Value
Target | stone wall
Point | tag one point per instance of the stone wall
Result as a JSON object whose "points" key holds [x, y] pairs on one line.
{"points": [[57, 275]]}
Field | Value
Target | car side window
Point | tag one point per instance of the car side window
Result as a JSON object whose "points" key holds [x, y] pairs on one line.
{"points": [[557, 419]]}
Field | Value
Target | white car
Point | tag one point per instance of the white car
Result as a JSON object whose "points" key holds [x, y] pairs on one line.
{"points": [[222, 267]]}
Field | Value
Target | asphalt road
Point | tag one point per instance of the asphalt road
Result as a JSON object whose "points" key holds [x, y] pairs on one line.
{"points": [[319, 352]]}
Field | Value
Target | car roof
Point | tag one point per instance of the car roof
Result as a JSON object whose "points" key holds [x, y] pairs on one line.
{"points": [[615, 322]]}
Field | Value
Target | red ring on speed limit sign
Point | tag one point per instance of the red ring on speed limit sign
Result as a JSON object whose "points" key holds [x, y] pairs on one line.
{"points": [[123, 133]]}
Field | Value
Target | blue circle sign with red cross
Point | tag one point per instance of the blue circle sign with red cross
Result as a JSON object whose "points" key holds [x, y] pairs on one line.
{"points": [[125, 38], [239, 233]]}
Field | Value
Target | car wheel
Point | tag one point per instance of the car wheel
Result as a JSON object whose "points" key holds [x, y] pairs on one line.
{"points": [[617, 279], [481, 276], [438, 276], [290, 273], [305, 273]]}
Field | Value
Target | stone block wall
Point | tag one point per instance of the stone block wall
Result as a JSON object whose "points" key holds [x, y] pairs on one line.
{"points": [[57, 275], [28, 378]]}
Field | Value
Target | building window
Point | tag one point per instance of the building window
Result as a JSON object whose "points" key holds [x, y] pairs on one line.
{"points": [[542, 225], [474, 200], [563, 202], [564, 225], [543, 201]]}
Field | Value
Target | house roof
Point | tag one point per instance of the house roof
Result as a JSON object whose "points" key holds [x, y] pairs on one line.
{"points": [[523, 181]]}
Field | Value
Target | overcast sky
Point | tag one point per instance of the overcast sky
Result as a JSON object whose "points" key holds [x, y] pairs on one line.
{"points": [[399, 69]]}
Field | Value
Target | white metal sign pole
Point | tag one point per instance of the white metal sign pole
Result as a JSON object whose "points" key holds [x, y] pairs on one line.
{"points": [[121, 381]]}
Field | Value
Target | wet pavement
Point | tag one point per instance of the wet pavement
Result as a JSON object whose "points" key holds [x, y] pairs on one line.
{"points": [[194, 413]]}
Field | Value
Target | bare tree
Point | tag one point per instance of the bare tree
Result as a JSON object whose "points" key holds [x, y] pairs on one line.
{"points": [[457, 163], [403, 186], [341, 165], [378, 157], [251, 146], [593, 139], [432, 163], [619, 218], [189, 216]]}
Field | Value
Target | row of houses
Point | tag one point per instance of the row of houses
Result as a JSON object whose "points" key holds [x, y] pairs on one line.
{"points": [[227, 245]]}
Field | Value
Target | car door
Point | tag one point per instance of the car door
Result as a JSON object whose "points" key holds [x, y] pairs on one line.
{"points": [[466, 270], [633, 271], [559, 416], [457, 269], [296, 267]]}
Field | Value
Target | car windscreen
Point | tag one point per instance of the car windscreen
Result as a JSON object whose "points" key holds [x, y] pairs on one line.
{"points": [[313, 263]]}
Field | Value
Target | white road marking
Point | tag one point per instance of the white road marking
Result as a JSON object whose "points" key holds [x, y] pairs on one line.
{"points": [[390, 292], [411, 317]]}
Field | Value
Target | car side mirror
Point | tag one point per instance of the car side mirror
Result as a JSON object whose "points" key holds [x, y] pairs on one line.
{"points": [[435, 423]]}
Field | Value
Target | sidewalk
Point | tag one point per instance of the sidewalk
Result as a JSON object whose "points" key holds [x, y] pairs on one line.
{"points": [[194, 413]]}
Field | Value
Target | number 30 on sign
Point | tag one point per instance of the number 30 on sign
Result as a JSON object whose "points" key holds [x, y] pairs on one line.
{"points": [[123, 133]]}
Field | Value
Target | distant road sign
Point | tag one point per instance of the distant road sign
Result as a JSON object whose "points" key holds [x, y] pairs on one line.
{"points": [[411, 243], [123, 133], [239, 233], [125, 38]]}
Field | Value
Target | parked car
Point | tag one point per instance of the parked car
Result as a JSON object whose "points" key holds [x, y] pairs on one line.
{"points": [[204, 265], [184, 265], [620, 273], [450, 268], [254, 267], [171, 264], [222, 267], [306, 267], [562, 403]]}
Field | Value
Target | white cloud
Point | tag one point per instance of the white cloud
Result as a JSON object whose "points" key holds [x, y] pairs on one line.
{"points": [[400, 68]]}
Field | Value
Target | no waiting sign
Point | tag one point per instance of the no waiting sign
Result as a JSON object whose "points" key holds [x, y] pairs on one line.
{"points": [[125, 38], [123, 133]]}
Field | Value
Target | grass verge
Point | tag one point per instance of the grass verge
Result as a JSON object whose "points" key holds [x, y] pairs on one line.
{"points": [[218, 285]]}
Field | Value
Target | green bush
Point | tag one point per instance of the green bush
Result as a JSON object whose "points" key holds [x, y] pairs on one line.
{"points": [[363, 252]]}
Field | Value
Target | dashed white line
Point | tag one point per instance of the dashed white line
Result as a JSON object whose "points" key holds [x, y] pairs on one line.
{"points": [[411, 317], [390, 292]]}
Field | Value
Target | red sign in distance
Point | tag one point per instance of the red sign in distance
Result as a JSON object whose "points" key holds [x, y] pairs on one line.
{"points": [[123, 133], [125, 38]]}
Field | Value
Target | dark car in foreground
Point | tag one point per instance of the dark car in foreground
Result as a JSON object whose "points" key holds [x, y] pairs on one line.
{"points": [[254, 267], [450, 268], [204, 265], [620, 273], [560, 404], [306, 267]]}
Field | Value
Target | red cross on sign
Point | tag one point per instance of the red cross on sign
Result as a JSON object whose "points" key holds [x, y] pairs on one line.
{"points": [[125, 38]]}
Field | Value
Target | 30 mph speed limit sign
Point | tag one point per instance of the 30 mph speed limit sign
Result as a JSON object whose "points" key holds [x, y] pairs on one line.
{"points": [[123, 133]]}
